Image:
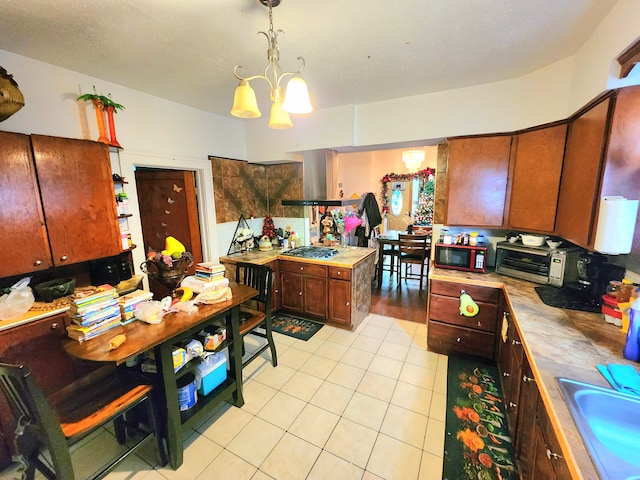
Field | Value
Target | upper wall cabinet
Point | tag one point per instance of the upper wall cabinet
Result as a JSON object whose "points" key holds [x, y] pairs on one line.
{"points": [[477, 180], [578, 199], [58, 205], [537, 167]]}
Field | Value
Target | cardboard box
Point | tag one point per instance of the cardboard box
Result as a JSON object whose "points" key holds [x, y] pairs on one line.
{"points": [[211, 373]]}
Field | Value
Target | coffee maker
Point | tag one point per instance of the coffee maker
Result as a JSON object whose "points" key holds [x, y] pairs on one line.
{"points": [[594, 274]]}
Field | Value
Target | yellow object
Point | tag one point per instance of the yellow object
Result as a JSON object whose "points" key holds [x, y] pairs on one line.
{"points": [[173, 246], [468, 307], [186, 292], [624, 308], [116, 341]]}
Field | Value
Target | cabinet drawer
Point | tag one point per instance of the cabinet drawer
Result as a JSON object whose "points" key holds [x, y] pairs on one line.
{"points": [[478, 293], [303, 268], [447, 309], [340, 273], [446, 339]]}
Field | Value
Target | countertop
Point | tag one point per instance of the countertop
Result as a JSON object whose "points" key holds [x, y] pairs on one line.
{"points": [[346, 258], [558, 342]]}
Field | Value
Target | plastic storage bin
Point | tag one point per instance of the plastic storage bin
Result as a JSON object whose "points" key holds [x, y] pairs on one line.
{"points": [[211, 373]]}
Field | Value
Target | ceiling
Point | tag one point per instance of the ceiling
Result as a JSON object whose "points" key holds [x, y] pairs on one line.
{"points": [[356, 51]]}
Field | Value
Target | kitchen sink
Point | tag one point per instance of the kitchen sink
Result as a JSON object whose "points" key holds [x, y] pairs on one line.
{"points": [[609, 422]]}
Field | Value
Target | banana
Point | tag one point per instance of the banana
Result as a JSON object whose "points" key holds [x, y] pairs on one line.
{"points": [[187, 293]]}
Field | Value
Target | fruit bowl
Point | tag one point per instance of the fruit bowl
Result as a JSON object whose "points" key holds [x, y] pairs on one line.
{"points": [[49, 291]]}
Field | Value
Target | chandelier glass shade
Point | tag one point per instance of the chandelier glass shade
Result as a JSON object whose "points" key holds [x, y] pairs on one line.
{"points": [[296, 97], [413, 159]]}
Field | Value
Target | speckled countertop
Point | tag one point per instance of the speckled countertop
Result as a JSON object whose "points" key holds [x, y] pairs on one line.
{"points": [[346, 258], [558, 342]]}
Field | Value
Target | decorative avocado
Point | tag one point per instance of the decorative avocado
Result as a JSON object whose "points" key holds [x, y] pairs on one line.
{"points": [[468, 307]]}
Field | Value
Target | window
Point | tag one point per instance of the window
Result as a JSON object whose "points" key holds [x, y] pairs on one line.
{"points": [[396, 202]]}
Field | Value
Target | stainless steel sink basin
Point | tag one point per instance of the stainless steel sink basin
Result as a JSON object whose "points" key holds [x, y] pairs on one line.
{"points": [[609, 422]]}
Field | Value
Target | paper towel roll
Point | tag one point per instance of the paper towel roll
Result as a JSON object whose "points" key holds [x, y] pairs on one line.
{"points": [[616, 225]]}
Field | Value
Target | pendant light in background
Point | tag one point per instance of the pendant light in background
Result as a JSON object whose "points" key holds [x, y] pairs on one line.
{"points": [[296, 97], [413, 159]]}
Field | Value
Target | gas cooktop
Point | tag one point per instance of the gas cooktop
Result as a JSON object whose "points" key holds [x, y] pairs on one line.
{"points": [[321, 253]]}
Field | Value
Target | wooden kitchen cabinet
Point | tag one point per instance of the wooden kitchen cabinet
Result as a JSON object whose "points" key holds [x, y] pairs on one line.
{"points": [[535, 180], [579, 185], [478, 171], [340, 295], [525, 428], [276, 293], [58, 202], [549, 462], [304, 288], [450, 332], [510, 359]]}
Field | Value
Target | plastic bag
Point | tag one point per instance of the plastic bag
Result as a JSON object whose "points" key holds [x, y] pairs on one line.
{"points": [[18, 301], [150, 312]]}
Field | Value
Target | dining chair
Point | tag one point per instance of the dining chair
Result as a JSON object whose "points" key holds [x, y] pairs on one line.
{"points": [[46, 427], [413, 250], [255, 315]]}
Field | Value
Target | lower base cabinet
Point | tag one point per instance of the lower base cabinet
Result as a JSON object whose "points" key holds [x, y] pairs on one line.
{"points": [[304, 288], [340, 295]]}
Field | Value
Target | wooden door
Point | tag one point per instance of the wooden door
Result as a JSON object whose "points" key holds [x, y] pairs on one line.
{"points": [[315, 296], [78, 199], [402, 220], [581, 174], [340, 301], [168, 207], [528, 403], [22, 225], [537, 158], [291, 285], [477, 181]]}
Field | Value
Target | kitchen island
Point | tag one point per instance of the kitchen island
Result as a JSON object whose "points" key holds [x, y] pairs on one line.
{"points": [[336, 290], [556, 343]]}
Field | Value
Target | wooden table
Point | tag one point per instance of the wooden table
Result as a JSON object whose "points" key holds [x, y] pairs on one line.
{"points": [[177, 328], [390, 237]]}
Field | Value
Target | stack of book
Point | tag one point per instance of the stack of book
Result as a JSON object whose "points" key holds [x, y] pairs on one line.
{"points": [[93, 312], [130, 301], [209, 271]]}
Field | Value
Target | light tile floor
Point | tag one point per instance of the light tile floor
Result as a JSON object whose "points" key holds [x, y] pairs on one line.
{"points": [[363, 405]]}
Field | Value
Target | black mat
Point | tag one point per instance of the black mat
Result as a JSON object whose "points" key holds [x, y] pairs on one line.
{"points": [[477, 440], [300, 328], [557, 297]]}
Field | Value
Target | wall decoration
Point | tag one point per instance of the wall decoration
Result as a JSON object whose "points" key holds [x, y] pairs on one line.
{"points": [[103, 104], [11, 98], [425, 205]]}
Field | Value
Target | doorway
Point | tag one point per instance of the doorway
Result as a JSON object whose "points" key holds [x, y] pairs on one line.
{"points": [[168, 207], [400, 204]]}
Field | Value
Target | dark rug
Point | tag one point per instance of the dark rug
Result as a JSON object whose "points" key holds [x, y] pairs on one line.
{"points": [[296, 327], [478, 445]]}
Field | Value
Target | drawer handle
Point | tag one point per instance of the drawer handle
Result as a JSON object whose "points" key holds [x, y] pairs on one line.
{"points": [[528, 379], [54, 326], [553, 456], [300, 293], [512, 405], [277, 291], [479, 323], [462, 292], [458, 340], [347, 304], [339, 273], [301, 268], [37, 263], [506, 374], [64, 258], [515, 342]]}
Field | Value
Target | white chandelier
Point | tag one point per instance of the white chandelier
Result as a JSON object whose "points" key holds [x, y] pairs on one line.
{"points": [[296, 98], [413, 159]]}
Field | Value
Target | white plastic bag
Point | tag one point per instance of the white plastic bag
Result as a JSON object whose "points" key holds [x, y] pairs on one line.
{"points": [[18, 301], [150, 312]]}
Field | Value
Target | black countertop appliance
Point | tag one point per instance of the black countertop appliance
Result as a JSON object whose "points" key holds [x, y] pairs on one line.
{"points": [[594, 274]]}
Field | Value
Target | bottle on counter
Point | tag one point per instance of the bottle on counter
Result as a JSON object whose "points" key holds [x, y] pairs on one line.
{"points": [[632, 346]]}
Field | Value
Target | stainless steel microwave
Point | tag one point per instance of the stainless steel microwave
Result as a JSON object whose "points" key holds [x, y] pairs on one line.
{"points": [[461, 257], [538, 264]]}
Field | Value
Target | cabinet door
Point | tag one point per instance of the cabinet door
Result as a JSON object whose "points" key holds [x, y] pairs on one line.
{"points": [[528, 403], [537, 159], [276, 294], [315, 296], [78, 200], [477, 181], [340, 301], [22, 227], [291, 285], [581, 171], [549, 462]]}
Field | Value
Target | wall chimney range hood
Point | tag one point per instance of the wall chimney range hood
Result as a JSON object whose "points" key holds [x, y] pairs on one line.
{"points": [[340, 202]]}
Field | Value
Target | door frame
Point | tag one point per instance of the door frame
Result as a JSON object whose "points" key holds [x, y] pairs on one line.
{"points": [[206, 203]]}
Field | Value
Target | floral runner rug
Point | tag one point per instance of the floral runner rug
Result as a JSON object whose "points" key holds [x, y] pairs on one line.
{"points": [[296, 327], [478, 445]]}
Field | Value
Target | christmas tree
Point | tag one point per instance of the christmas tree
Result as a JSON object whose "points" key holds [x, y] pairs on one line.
{"points": [[268, 228], [424, 210]]}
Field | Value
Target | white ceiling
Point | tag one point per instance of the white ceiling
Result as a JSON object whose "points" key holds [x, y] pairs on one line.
{"points": [[356, 51]]}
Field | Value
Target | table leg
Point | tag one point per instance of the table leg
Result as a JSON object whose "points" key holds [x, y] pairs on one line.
{"points": [[173, 429], [380, 260], [235, 355]]}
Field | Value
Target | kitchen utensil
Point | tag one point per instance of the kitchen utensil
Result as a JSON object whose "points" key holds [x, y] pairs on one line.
{"points": [[49, 291], [533, 240]]}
